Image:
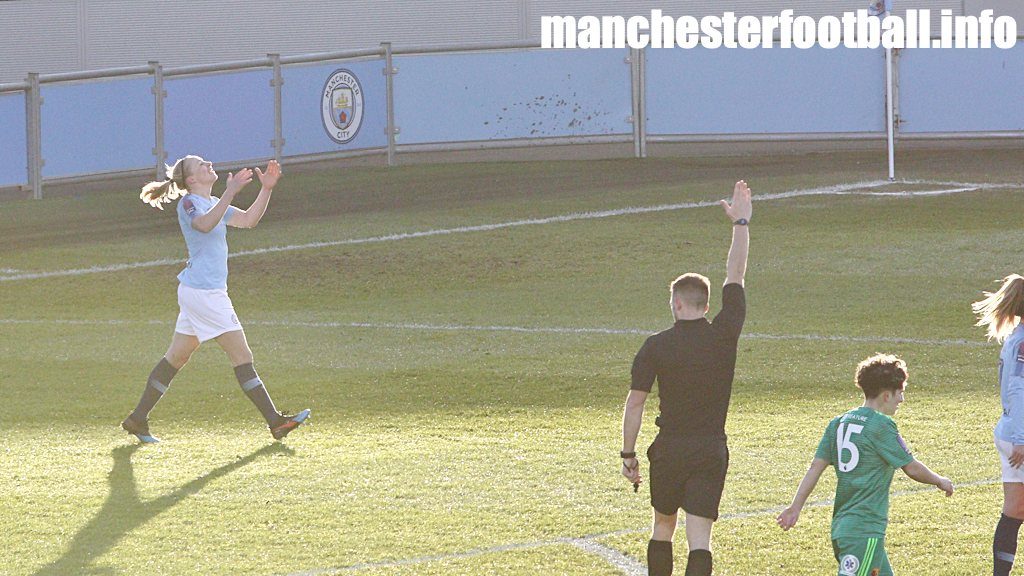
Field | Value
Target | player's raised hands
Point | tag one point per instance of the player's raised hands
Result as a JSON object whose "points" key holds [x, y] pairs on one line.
{"points": [[740, 206], [237, 181], [269, 178]]}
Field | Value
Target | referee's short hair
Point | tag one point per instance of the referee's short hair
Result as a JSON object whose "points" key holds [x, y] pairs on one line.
{"points": [[691, 288], [879, 373]]}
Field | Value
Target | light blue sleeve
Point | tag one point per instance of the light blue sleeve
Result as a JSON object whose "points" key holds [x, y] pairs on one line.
{"points": [[1013, 391], [1015, 399], [188, 209]]}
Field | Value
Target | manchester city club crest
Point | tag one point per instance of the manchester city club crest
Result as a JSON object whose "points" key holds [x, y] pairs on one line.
{"points": [[341, 106]]}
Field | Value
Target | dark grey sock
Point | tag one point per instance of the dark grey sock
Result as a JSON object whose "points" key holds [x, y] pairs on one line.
{"points": [[1004, 545], [698, 563], [659, 558], [256, 391], [156, 386]]}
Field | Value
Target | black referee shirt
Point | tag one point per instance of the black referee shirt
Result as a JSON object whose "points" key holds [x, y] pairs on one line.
{"points": [[694, 362]]}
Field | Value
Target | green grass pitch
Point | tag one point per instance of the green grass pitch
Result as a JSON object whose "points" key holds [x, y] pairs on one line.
{"points": [[445, 442]]}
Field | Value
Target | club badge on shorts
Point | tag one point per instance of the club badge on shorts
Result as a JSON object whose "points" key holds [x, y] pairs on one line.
{"points": [[849, 565]]}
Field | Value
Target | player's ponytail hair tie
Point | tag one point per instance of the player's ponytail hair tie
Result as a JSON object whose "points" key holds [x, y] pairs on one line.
{"points": [[157, 193]]}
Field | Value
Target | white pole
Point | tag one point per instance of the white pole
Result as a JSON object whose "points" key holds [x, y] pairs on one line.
{"points": [[889, 120]]}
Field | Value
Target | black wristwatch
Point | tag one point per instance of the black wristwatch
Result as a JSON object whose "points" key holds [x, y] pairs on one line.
{"points": [[741, 222], [627, 455]]}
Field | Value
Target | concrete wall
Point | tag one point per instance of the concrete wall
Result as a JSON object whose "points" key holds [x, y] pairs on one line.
{"points": [[69, 35]]}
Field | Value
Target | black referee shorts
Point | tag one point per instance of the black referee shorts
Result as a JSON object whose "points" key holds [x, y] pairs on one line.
{"points": [[688, 473]]}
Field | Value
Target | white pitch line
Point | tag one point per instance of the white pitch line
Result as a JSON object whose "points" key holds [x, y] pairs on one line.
{"points": [[627, 565], [623, 563], [612, 331], [841, 189], [513, 329], [869, 339], [72, 322]]}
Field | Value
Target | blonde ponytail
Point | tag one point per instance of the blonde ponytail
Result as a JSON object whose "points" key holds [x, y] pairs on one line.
{"points": [[157, 193], [1001, 311]]}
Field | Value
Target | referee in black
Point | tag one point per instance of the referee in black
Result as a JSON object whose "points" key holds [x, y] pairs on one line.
{"points": [[693, 362]]}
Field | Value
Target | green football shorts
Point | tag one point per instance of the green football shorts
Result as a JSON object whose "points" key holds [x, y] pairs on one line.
{"points": [[862, 557]]}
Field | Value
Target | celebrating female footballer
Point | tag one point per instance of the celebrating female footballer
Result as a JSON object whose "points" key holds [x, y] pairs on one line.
{"points": [[1001, 313], [206, 312]]}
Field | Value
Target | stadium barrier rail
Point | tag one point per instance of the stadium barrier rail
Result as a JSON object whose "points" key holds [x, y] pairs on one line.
{"points": [[408, 99]]}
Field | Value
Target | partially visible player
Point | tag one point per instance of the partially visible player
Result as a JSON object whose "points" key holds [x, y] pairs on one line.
{"points": [[866, 449], [1001, 313], [206, 312], [693, 362]]}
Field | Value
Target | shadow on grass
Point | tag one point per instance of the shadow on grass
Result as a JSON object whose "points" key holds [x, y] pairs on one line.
{"points": [[124, 511]]}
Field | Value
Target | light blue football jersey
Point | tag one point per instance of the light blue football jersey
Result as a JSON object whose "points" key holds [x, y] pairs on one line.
{"points": [[1011, 388], [207, 267]]}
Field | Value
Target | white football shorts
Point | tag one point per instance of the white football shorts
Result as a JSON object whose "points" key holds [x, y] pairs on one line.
{"points": [[1010, 474], [205, 314]]}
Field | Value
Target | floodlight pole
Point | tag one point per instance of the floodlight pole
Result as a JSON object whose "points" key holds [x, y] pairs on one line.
{"points": [[889, 120]]}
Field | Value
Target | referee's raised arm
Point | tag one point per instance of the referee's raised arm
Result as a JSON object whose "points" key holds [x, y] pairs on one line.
{"points": [[739, 211]]}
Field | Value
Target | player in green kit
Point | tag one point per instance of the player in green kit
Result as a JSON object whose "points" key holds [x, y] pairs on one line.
{"points": [[866, 449]]}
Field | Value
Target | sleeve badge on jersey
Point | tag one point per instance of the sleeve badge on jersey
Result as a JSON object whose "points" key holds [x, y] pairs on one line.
{"points": [[189, 207], [903, 444], [1020, 353]]}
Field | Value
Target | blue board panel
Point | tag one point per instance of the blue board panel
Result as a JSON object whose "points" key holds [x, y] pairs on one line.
{"points": [[13, 155], [225, 117], [496, 96], [962, 90], [305, 127], [101, 126], [765, 90]]}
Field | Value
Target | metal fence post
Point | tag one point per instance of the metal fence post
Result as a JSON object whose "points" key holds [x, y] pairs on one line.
{"points": [[158, 119], [34, 135], [389, 73], [641, 65], [634, 88], [277, 81]]}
